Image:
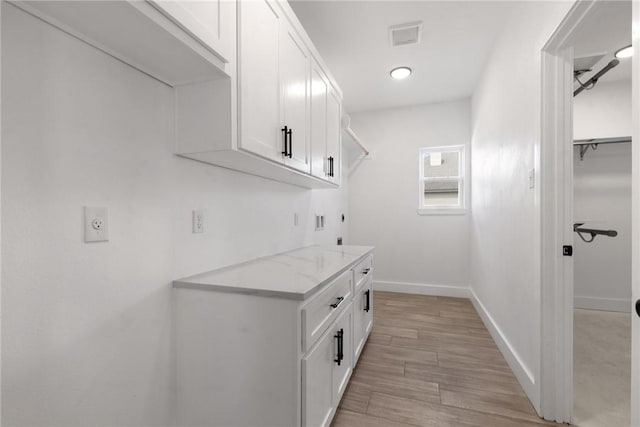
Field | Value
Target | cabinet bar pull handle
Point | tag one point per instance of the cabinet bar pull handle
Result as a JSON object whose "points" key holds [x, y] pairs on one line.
{"points": [[337, 303], [290, 134], [340, 356], [367, 307], [285, 133], [366, 271], [330, 166]]}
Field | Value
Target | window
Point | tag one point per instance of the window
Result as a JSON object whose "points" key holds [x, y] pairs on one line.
{"points": [[441, 187]]}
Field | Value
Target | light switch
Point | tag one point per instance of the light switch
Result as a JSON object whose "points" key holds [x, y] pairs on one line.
{"points": [[96, 224]]}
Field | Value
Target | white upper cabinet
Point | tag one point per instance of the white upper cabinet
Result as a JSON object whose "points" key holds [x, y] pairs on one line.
{"points": [[334, 136], [273, 86], [319, 94], [294, 82], [326, 114], [259, 79], [211, 22], [242, 75], [285, 117], [163, 39]]}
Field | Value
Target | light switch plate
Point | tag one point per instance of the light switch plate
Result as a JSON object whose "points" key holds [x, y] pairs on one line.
{"points": [[96, 224], [198, 221]]}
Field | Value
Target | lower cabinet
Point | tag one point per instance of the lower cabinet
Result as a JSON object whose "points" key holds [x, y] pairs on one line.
{"points": [[245, 359], [326, 370], [362, 315], [343, 339]]}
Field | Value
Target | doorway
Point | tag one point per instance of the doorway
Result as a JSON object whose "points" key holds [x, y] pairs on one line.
{"points": [[587, 215]]}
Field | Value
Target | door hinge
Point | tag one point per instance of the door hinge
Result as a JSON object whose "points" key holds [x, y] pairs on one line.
{"points": [[567, 250]]}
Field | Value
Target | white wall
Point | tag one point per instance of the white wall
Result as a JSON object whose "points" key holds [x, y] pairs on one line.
{"points": [[602, 198], [87, 328], [410, 248], [505, 224], [604, 111]]}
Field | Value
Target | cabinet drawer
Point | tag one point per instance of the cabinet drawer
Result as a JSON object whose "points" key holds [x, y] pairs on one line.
{"points": [[324, 308], [363, 269]]}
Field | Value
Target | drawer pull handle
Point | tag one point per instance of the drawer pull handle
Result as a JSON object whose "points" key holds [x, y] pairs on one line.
{"points": [[367, 306], [337, 303], [340, 337], [366, 271]]}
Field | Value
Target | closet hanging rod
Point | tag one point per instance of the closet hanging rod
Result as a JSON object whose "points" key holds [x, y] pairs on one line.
{"points": [[602, 141], [589, 84], [592, 232]]}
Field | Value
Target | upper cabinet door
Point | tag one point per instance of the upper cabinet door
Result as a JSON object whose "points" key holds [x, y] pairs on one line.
{"points": [[319, 93], [294, 81], [259, 82], [211, 22], [334, 136]]}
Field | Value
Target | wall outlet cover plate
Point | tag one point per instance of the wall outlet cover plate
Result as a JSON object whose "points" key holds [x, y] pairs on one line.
{"points": [[96, 224], [198, 221]]}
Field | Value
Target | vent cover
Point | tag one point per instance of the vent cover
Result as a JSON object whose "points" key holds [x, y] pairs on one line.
{"points": [[405, 34]]}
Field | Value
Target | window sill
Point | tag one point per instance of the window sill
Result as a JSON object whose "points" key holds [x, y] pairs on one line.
{"points": [[443, 211]]}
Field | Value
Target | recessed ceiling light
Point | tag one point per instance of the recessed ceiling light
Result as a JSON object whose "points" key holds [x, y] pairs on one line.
{"points": [[400, 73], [625, 52]]}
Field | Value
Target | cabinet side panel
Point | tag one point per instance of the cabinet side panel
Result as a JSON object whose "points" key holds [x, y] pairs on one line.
{"points": [[237, 360]]}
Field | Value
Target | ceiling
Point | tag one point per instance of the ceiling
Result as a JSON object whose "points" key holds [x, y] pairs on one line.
{"points": [[605, 30], [353, 39]]}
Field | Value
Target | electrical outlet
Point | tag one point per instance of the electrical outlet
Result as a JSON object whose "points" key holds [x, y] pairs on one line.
{"points": [[198, 221], [96, 224], [296, 219]]}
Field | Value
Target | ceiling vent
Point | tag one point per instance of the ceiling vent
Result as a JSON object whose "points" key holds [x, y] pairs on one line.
{"points": [[405, 34]]}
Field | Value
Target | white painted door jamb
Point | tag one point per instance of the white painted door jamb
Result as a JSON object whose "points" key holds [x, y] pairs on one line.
{"points": [[635, 201], [556, 358]]}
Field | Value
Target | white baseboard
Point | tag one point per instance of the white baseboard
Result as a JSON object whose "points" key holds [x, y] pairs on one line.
{"points": [[604, 304], [422, 289], [521, 371]]}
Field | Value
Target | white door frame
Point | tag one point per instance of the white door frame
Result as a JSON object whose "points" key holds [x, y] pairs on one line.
{"points": [[556, 359], [556, 198], [635, 222]]}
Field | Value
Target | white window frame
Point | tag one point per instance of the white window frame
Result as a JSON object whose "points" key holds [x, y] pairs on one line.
{"points": [[461, 207]]}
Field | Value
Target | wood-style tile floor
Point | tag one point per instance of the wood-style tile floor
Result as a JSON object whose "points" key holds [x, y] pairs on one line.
{"points": [[430, 362]]}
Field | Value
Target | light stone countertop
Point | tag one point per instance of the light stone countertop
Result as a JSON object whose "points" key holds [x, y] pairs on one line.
{"points": [[297, 274]]}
